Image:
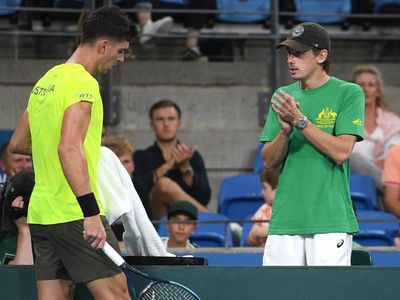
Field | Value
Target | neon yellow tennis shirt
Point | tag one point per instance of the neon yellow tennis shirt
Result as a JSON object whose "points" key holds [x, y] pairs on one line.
{"points": [[52, 199]]}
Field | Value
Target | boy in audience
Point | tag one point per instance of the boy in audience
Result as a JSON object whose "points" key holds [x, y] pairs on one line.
{"points": [[259, 231], [181, 215]]}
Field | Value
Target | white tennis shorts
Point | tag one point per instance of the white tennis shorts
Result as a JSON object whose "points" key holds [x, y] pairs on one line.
{"points": [[328, 249]]}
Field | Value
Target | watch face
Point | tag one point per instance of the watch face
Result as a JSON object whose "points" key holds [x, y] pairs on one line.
{"points": [[302, 123]]}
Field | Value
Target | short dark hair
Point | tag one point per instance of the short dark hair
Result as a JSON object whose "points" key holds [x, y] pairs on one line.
{"points": [[162, 104], [270, 176], [4, 149], [110, 22]]}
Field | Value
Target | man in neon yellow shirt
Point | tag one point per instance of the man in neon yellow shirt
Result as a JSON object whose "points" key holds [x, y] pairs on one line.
{"points": [[62, 129], [310, 132]]}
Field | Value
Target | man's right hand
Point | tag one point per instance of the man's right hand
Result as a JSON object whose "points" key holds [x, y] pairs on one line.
{"points": [[94, 232]]}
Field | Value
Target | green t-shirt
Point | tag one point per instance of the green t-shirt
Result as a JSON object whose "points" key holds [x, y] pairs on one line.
{"points": [[313, 192], [52, 199]]}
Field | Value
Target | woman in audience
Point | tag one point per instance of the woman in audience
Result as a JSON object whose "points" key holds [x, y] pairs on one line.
{"points": [[382, 126]]}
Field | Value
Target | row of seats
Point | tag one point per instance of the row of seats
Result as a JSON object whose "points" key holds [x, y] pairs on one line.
{"points": [[250, 11]]}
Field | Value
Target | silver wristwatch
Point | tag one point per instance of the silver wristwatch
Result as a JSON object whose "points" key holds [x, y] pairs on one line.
{"points": [[301, 123], [187, 172]]}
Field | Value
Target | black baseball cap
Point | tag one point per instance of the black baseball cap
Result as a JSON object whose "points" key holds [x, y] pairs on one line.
{"points": [[306, 36], [183, 207]]}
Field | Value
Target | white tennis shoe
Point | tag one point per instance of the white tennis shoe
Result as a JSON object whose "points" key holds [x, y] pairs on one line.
{"points": [[151, 28]]}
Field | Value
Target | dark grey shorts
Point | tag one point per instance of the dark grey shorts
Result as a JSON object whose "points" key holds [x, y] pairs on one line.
{"points": [[62, 253]]}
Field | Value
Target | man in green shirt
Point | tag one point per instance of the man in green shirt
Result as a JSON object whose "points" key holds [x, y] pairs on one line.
{"points": [[62, 129], [310, 132]]}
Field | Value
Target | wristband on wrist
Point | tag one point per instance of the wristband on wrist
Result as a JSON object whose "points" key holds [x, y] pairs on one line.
{"points": [[88, 205]]}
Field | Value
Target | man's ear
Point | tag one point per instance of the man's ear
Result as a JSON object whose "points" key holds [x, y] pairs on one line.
{"points": [[322, 56], [103, 46]]}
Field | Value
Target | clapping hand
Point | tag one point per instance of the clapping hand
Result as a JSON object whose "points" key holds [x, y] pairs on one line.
{"points": [[182, 154], [287, 110]]}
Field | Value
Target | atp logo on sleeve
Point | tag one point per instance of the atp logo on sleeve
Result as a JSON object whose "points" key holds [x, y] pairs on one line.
{"points": [[326, 118], [85, 96]]}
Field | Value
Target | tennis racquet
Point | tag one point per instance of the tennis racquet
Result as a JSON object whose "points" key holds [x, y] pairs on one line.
{"points": [[157, 289]]}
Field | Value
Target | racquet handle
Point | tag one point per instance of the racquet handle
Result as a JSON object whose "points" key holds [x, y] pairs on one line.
{"points": [[113, 255]]}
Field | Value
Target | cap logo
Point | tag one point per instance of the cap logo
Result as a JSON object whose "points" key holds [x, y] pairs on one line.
{"points": [[297, 31]]}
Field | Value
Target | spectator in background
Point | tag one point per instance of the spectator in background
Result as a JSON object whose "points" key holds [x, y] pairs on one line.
{"points": [[180, 225], [15, 237], [148, 27], [259, 231], [391, 184], [170, 169], [124, 151], [16, 242], [11, 163], [192, 21], [391, 180], [382, 126]]}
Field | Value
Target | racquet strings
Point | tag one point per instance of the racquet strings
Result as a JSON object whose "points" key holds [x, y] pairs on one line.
{"points": [[160, 289], [166, 291]]}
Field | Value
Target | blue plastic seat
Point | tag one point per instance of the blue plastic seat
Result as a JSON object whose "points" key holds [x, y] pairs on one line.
{"points": [[217, 234], [249, 10], [179, 2], [69, 3], [386, 6], [5, 12], [258, 160], [245, 233], [374, 230], [240, 195], [363, 192], [305, 8]]}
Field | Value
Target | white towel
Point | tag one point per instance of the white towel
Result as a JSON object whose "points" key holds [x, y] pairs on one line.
{"points": [[120, 199]]}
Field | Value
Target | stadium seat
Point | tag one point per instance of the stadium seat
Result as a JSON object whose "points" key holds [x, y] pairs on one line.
{"points": [[179, 2], [305, 8], [363, 192], [245, 233], [240, 195], [5, 12], [210, 234], [387, 7], [248, 7], [69, 3], [258, 160], [374, 230]]}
